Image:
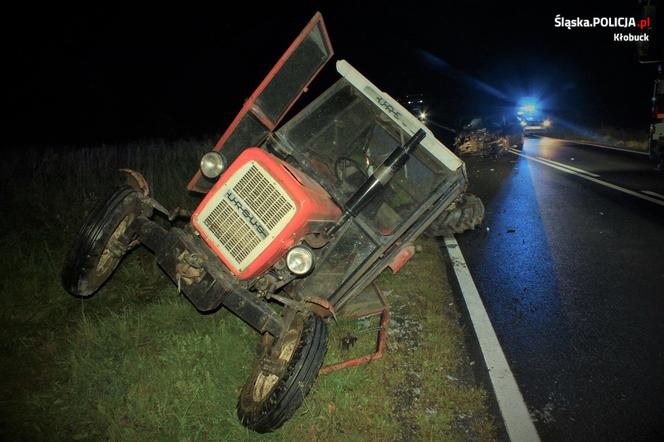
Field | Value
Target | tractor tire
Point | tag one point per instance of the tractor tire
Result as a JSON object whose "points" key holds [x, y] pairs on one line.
{"points": [[101, 243], [466, 213], [268, 400]]}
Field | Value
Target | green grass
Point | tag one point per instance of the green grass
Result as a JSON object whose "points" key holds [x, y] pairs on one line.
{"points": [[138, 362]]}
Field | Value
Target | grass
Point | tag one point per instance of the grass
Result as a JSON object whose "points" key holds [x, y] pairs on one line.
{"points": [[608, 135], [138, 362]]}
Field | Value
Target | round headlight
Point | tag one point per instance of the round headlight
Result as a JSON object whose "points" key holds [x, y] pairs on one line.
{"points": [[300, 260], [212, 164]]}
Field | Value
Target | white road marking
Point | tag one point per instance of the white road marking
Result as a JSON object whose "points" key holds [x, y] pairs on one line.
{"points": [[594, 180], [576, 169], [518, 423], [651, 193]]}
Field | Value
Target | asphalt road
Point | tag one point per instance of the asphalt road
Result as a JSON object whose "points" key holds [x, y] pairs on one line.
{"points": [[571, 273]]}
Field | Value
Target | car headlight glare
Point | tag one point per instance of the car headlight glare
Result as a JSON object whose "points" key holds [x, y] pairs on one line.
{"points": [[212, 164], [300, 260]]}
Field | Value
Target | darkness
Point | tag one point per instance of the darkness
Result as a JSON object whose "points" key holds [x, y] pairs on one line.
{"points": [[114, 75]]}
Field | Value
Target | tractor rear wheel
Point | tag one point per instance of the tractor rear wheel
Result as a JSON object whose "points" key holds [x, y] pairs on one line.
{"points": [[466, 213]]}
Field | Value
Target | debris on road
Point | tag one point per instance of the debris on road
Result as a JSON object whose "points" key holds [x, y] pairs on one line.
{"points": [[489, 137]]}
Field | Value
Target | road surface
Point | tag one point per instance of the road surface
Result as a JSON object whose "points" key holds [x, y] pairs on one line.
{"points": [[570, 266]]}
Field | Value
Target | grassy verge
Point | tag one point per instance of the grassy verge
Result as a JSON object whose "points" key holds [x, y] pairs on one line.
{"points": [[610, 136], [138, 362]]}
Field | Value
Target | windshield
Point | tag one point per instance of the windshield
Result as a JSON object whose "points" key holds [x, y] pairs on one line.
{"points": [[343, 136]]}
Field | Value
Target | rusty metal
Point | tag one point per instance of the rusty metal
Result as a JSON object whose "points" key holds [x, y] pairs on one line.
{"points": [[316, 240], [322, 303], [187, 269], [137, 181], [382, 335]]}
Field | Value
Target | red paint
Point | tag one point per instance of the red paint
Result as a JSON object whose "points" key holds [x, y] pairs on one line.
{"points": [[325, 304], [312, 202], [250, 104], [402, 257], [382, 335]]}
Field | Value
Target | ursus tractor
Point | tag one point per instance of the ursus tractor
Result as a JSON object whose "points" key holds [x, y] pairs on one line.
{"points": [[297, 221]]}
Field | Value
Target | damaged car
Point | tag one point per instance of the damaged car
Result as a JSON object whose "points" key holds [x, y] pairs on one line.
{"points": [[491, 136]]}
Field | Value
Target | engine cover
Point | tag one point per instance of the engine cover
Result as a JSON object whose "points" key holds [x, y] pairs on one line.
{"points": [[260, 207]]}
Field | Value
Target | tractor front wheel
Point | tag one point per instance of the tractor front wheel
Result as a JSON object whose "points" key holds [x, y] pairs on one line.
{"points": [[101, 243], [279, 382]]}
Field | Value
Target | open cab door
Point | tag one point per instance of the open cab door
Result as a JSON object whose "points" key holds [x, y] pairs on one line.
{"points": [[282, 86]]}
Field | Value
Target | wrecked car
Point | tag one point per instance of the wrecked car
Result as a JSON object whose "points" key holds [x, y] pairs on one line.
{"points": [[490, 137], [297, 220]]}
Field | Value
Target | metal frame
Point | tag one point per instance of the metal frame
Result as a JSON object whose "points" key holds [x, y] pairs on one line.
{"points": [[380, 341], [203, 279], [250, 105], [411, 228], [399, 114]]}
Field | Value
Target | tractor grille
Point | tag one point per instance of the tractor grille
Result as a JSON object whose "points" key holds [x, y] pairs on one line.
{"points": [[264, 199], [246, 214], [229, 229]]}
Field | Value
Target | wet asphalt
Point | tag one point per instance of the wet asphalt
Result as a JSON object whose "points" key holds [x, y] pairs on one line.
{"points": [[572, 276]]}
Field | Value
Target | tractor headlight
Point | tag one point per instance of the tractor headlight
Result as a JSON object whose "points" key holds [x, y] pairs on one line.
{"points": [[300, 260], [546, 123], [212, 164]]}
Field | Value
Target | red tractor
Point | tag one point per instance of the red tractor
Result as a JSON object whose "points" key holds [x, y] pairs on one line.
{"points": [[297, 222]]}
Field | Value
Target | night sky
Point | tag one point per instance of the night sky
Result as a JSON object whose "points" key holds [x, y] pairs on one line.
{"points": [[82, 77]]}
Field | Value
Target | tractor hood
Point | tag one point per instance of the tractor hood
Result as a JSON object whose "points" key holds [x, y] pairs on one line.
{"points": [[276, 94]]}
